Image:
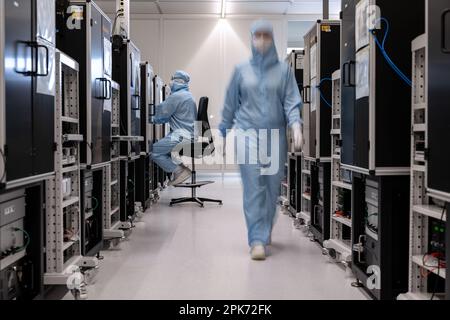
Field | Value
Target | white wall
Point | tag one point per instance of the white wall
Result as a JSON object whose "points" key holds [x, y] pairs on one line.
{"points": [[207, 48]]}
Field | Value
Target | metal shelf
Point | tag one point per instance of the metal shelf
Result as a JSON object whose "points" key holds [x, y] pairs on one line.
{"points": [[70, 201], [113, 211], [69, 120], [430, 211], [335, 132], [419, 168], [72, 261], [420, 127], [304, 196], [68, 244], [344, 221], [419, 106], [69, 169], [418, 260], [73, 137], [342, 185], [128, 138]]}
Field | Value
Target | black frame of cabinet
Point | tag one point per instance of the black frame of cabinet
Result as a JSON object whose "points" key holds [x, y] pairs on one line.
{"points": [[328, 60], [29, 145], [392, 110], [126, 58], [79, 43], [438, 153], [348, 95]]}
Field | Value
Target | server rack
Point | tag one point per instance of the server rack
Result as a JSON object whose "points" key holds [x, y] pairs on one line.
{"points": [[380, 234], [127, 73], [63, 218], [426, 275], [144, 164], [347, 91], [438, 153], [429, 235], [28, 91], [338, 247], [380, 158], [113, 228], [380, 130], [291, 188], [322, 45], [84, 33]]}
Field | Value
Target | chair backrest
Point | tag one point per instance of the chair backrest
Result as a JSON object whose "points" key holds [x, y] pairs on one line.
{"points": [[202, 116]]}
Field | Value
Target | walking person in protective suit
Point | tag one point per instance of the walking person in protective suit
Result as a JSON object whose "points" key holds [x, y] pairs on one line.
{"points": [[262, 96]]}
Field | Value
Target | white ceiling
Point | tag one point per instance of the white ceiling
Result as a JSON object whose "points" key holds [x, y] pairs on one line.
{"points": [[234, 7]]}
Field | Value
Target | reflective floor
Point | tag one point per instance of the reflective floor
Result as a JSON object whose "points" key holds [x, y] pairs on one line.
{"points": [[187, 252]]}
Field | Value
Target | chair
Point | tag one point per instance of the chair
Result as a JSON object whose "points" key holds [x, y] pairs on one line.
{"points": [[199, 149]]}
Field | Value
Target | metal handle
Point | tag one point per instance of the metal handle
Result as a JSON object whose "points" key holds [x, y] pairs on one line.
{"points": [[307, 94], [344, 73], [108, 89], [347, 76], [315, 214], [443, 33], [36, 60], [138, 97], [26, 45]]}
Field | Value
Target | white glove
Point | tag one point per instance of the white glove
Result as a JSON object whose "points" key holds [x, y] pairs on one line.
{"points": [[297, 136]]}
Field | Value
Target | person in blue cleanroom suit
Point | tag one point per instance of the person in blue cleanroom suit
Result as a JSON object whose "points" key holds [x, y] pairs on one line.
{"points": [[262, 94], [180, 111]]}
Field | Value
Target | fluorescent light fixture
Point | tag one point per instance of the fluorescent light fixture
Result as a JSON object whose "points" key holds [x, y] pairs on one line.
{"points": [[224, 8]]}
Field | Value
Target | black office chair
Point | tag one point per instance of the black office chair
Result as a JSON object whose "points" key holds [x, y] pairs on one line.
{"points": [[199, 149]]}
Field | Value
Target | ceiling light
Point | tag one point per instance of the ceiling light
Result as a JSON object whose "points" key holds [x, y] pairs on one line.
{"points": [[224, 8]]}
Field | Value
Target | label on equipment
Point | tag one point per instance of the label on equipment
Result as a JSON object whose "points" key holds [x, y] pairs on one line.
{"points": [[326, 28]]}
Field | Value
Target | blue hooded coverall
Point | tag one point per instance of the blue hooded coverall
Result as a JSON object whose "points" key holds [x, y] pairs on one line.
{"points": [[180, 111], [263, 94]]}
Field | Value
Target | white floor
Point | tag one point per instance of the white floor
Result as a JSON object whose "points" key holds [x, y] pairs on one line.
{"points": [[186, 252]]}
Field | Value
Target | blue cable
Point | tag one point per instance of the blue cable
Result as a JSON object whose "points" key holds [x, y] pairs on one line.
{"points": [[320, 91], [385, 54]]}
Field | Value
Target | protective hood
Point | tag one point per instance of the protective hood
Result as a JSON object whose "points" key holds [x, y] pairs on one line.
{"points": [[180, 81], [271, 56]]}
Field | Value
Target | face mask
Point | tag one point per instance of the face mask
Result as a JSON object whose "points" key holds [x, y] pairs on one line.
{"points": [[262, 45]]}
